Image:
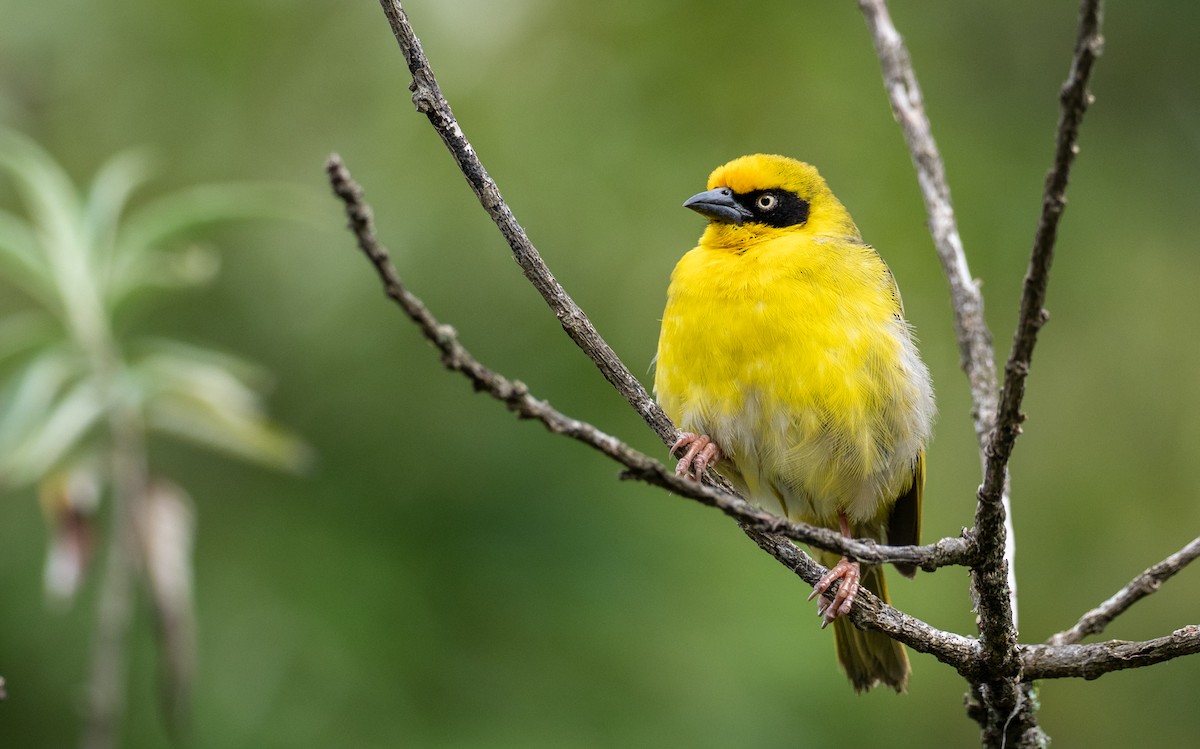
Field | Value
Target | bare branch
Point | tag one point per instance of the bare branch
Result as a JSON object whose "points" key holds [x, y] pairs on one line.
{"points": [[961, 653], [991, 579], [427, 97], [976, 356], [996, 423], [1096, 659], [948, 551], [974, 338], [1094, 621], [997, 631]]}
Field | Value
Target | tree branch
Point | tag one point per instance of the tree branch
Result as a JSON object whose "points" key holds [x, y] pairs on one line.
{"points": [[427, 97], [996, 422], [1094, 621], [997, 631], [991, 579], [1096, 659], [515, 395], [974, 339], [976, 356], [961, 653]]}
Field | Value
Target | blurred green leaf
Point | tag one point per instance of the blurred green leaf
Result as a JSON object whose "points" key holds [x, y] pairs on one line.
{"points": [[191, 397], [110, 191], [181, 213], [31, 392], [21, 261], [81, 258], [56, 430], [50, 197], [167, 349]]}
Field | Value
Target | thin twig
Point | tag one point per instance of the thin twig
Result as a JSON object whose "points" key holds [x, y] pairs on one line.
{"points": [[427, 97], [976, 355], [997, 625], [947, 551], [974, 338], [996, 629], [1094, 621], [961, 653], [1096, 659]]}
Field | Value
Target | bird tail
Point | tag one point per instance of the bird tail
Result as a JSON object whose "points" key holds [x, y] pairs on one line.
{"points": [[869, 657]]}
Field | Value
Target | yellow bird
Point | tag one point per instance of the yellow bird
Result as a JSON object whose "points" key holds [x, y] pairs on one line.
{"points": [[786, 360]]}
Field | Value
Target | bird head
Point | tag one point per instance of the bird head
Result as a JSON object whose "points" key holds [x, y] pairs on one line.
{"points": [[762, 196]]}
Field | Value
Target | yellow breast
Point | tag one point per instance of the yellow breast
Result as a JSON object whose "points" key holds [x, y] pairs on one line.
{"points": [[791, 353]]}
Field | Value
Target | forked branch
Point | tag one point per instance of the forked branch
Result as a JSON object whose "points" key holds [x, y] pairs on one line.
{"points": [[1094, 621], [996, 630], [995, 662]]}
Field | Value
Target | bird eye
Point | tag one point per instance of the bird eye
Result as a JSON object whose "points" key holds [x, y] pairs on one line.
{"points": [[766, 202]]}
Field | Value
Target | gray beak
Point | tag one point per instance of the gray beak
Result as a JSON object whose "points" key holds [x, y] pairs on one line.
{"points": [[718, 205]]}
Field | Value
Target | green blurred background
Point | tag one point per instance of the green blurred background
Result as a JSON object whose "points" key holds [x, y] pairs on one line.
{"points": [[446, 576]]}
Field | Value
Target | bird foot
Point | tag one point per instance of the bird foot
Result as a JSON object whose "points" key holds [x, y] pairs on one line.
{"points": [[701, 453], [831, 607]]}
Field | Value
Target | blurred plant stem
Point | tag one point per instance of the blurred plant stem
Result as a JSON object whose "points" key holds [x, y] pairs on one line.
{"points": [[80, 403], [88, 324], [106, 688]]}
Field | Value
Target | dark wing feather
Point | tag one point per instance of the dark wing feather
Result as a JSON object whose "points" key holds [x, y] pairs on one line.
{"points": [[904, 523]]}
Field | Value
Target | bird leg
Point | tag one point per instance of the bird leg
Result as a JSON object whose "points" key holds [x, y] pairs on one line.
{"points": [[831, 607], [701, 453]]}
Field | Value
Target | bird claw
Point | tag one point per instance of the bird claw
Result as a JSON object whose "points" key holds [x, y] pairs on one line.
{"points": [[830, 607], [701, 453]]}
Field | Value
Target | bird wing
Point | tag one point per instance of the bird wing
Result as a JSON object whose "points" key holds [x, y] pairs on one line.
{"points": [[904, 522]]}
